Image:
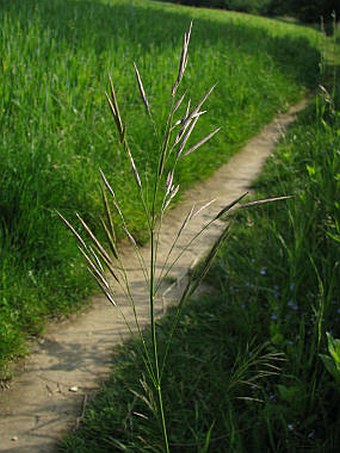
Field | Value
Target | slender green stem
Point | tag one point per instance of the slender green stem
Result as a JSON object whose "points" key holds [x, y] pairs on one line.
{"points": [[154, 340], [163, 421], [154, 242]]}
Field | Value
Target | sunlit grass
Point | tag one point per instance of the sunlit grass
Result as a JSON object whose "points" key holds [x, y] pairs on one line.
{"points": [[56, 131]]}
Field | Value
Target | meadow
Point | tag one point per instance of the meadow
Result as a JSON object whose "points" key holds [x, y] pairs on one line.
{"points": [[254, 365], [56, 129]]}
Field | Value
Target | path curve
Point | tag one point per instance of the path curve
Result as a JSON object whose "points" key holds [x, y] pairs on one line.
{"points": [[73, 357]]}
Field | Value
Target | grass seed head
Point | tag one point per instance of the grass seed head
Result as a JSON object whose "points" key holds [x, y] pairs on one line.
{"points": [[141, 89]]}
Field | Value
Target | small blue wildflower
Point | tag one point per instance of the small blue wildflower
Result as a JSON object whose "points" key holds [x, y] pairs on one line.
{"points": [[244, 306], [290, 427], [263, 271], [276, 295], [292, 286], [273, 317], [247, 284], [293, 305]]}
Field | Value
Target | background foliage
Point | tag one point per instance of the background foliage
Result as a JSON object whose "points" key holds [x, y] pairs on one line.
{"points": [[305, 10]]}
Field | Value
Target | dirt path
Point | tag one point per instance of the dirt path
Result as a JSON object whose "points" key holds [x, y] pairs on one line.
{"points": [[49, 393]]}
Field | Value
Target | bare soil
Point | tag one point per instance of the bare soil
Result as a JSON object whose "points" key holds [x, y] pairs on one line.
{"points": [[66, 365]]}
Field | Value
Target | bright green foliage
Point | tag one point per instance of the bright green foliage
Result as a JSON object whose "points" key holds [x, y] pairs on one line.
{"points": [[246, 6], [306, 10], [332, 361]]}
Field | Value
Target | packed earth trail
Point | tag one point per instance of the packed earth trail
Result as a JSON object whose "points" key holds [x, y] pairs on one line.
{"points": [[49, 393]]}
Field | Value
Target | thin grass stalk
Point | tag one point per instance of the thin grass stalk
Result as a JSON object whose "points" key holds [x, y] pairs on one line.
{"points": [[145, 101], [173, 245], [199, 233], [106, 288], [155, 342], [113, 104], [109, 264], [190, 215], [97, 256], [163, 157], [319, 311], [108, 292], [154, 243], [125, 227]]}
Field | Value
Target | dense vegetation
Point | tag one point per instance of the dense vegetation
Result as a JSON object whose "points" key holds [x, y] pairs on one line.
{"points": [[247, 369], [305, 10], [56, 131], [246, 6]]}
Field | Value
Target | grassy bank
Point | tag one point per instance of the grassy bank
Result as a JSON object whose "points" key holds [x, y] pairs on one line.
{"points": [[245, 373], [56, 129]]}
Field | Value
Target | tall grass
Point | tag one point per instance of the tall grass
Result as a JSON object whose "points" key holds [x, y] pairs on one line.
{"points": [[55, 58], [106, 264], [290, 278], [274, 289]]}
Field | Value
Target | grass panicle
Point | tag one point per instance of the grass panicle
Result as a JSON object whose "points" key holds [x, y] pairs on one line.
{"points": [[99, 259]]}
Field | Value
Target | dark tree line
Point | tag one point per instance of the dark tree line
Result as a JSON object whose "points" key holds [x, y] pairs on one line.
{"points": [[304, 10]]}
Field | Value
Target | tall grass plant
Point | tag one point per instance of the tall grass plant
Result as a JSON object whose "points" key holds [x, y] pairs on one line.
{"points": [[274, 290]]}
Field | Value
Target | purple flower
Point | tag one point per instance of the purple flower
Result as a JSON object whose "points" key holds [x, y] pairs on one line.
{"points": [[263, 271]]}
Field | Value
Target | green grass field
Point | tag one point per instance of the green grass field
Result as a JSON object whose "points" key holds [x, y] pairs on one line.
{"points": [[56, 129]]}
